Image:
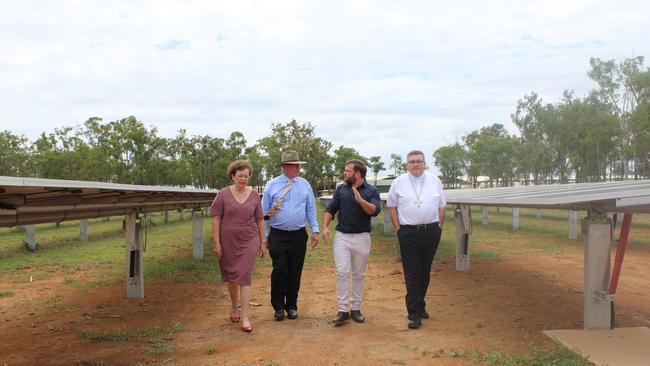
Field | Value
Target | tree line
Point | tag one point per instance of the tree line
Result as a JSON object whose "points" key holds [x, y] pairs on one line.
{"points": [[604, 135], [127, 151]]}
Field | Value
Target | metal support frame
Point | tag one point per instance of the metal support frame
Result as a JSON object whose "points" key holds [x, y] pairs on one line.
{"points": [[463, 227], [618, 262], [197, 234], [181, 214], [30, 240], [597, 300], [515, 218], [134, 258], [83, 230], [573, 224], [484, 214], [166, 217], [388, 225]]}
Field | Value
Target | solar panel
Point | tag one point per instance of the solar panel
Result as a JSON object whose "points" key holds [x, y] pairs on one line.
{"points": [[625, 196], [26, 201]]}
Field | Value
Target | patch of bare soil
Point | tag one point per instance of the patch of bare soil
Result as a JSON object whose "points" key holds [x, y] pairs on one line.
{"points": [[501, 305]]}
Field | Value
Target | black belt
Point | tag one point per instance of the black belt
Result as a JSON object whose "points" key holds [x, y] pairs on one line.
{"points": [[287, 231], [420, 226]]}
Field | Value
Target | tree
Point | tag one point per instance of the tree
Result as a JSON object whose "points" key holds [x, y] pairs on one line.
{"points": [[542, 152], [235, 145], [62, 154], [376, 165], [15, 155], [450, 160], [491, 152], [639, 125], [592, 136], [618, 92], [257, 161], [302, 139], [343, 154], [396, 164]]}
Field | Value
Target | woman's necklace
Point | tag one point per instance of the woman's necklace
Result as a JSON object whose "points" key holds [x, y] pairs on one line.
{"points": [[418, 201], [238, 192]]}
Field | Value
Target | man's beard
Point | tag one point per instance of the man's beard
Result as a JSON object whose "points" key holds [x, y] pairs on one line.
{"points": [[351, 181]]}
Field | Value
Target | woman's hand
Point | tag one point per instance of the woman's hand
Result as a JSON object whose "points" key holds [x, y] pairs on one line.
{"points": [[217, 250], [264, 247]]}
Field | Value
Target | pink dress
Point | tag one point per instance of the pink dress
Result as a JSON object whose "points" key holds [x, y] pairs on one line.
{"points": [[239, 235]]}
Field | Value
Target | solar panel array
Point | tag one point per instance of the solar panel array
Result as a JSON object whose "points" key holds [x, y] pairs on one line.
{"points": [[25, 201], [625, 196]]}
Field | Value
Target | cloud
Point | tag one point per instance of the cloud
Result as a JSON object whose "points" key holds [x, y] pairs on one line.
{"points": [[378, 76], [174, 44]]}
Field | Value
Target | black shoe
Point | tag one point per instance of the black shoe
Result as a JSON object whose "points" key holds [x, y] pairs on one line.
{"points": [[424, 315], [356, 316], [279, 315], [292, 313], [415, 323], [341, 318]]}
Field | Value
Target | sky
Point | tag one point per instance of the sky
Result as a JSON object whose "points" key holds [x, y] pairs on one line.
{"points": [[379, 76]]}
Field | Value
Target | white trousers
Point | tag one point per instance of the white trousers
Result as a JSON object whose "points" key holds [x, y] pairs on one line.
{"points": [[350, 257]]}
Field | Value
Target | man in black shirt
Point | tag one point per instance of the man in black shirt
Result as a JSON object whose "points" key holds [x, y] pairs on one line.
{"points": [[356, 202]]}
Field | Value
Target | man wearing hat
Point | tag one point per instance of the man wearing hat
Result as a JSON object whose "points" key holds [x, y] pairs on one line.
{"points": [[288, 202]]}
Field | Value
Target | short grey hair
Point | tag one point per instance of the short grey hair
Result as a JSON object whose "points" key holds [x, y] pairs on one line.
{"points": [[415, 152]]}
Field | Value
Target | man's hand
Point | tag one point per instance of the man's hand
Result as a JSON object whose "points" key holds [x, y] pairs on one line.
{"points": [[357, 195], [326, 234], [217, 251], [314, 240]]}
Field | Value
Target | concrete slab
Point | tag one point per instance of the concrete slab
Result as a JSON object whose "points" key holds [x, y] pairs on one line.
{"points": [[613, 347]]}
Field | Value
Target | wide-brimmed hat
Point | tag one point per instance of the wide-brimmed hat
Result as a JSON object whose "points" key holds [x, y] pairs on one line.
{"points": [[291, 157]]}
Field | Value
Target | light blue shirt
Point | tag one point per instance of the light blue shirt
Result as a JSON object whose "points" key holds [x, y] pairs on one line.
{"points": [[299, 204]]}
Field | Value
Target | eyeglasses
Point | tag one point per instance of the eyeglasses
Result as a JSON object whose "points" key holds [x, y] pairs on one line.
{"points": [[242, 176], [413, 162]]}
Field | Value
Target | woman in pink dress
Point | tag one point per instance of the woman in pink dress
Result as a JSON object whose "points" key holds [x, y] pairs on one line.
{"points": [[238, 235]]}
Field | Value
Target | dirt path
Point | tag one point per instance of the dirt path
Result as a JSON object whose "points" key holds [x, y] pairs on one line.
{"points": [[501, 305]]}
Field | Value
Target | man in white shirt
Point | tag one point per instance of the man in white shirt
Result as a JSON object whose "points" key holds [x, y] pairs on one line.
{"points": [[417, 211]]}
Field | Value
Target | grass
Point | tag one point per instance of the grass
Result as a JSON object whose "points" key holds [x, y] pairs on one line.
{"points": [[158, 337], [7, 294], [167, 252], [126, 335], [159, 347], [556, 355]]}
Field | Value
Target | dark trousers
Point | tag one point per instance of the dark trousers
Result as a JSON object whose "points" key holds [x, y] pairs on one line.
{"points": [[287, 250], [417, 248]]}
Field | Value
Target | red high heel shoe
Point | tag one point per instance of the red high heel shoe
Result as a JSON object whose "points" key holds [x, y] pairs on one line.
{"points": [[246, 329], [235, 319]]}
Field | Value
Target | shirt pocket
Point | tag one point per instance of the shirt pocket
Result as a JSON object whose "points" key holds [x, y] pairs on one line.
{"points": [[301, 197]]}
